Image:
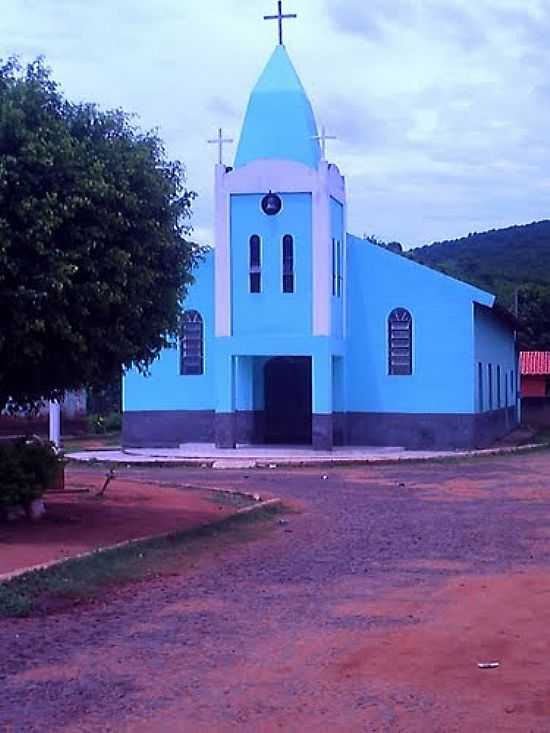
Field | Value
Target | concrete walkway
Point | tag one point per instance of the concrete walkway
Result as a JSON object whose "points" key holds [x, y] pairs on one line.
{"points": [[261, 456]]}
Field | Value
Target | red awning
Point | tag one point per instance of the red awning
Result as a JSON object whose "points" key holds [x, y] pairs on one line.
{"points": [[535, 362]]}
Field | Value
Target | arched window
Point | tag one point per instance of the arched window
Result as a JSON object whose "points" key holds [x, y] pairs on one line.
{"points": [[255, 264], [288, 264], [400, 342], [192, 344]]}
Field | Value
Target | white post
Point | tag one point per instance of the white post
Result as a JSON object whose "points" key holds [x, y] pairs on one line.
{"points": [[55, 424]]}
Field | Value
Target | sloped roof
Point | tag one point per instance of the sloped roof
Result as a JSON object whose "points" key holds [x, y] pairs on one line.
{"points": [[279, 122], [535, 362], [396, 260]]}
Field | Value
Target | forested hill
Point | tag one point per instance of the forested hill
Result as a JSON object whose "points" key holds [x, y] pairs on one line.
{"points": [[501, 261]]}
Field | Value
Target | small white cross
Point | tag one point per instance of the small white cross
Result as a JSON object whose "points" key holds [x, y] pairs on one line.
{"points": [[220, 141], [323, 137]]}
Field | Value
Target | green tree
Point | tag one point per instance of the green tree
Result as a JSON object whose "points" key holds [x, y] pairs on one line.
{"points": [[502, 261], [534, 317], [94, 259]]}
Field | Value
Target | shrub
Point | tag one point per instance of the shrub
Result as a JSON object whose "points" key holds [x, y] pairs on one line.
{"points": [[27, 469], [99, 424]]}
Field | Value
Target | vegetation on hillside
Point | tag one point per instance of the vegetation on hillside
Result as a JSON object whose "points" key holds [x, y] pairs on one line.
{"points": [[503, 261]]}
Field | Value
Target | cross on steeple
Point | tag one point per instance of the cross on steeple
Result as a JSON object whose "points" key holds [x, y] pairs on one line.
{"points": [[220, 141], [323, 137], [280, 17]]}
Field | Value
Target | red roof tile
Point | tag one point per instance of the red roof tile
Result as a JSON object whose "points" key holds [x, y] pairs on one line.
{"points": [[535, 362]]}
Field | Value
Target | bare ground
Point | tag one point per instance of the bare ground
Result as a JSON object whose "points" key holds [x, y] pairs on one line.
{"points": [[80, 522], [368, 611]]}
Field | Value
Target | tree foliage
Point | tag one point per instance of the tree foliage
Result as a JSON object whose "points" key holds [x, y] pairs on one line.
{"points": [[94, 258], [503, 261]]}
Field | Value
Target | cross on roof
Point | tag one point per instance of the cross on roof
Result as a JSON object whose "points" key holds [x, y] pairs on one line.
{"points": [[280, 17], [220, 141], [323, 137]]}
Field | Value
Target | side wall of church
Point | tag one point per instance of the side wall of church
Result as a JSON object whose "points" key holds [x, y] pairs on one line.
{"points": [[338, 268], [153, 405], [442, 332], [496, 376], [453, 328]]}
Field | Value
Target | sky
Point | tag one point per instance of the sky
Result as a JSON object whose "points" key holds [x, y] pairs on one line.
{"points": [[441, 107]]}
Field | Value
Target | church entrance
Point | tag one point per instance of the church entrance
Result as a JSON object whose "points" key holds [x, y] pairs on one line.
{"points": [[288, 402]]}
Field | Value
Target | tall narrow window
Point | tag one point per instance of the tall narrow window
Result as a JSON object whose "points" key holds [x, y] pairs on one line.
{"points": [[499, 397], [288, 264], [340, 261], [334, 268], [337, 268], [490, 387], [400, 342], [480, 386], [506, 398], [255, 264], [192, 344]]}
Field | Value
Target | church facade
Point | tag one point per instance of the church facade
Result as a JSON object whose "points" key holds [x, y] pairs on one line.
{"points": [[296, 332]]}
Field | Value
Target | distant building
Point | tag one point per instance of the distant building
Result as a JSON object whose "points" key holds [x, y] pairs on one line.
{"points": [[535, 373], [73, 412], [535, 388]]}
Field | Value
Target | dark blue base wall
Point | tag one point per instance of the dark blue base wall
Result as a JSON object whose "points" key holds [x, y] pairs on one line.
{"points": [[166, 429], [169, 429], [490, 426], [427, 432]]}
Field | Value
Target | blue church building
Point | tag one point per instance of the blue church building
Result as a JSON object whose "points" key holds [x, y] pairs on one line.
{"points": [[296, 332]]}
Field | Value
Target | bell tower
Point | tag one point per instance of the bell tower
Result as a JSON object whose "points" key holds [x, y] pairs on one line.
{"points": [[281, 186], [280, 245]]}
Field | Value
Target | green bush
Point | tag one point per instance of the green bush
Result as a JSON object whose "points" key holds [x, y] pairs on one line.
{"points": [[27, 469], [99, 424]]}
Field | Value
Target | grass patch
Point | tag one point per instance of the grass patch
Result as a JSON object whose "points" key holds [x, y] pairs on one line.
{"points": [[82, 579], [229, 498], [80, 443]]}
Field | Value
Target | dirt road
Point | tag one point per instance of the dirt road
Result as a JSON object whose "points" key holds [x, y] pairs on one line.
{"points": [[369, 611]]}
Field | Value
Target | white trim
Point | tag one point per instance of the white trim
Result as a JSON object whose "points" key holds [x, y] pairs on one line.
{"points": [[322, 286], [222, 256], [337, 185], [280, 176], [345, 264]]}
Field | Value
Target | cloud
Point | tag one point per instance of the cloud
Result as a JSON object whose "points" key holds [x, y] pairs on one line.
{"points": [[223, 108], [440, 106], [370, 19], [379, 19]]}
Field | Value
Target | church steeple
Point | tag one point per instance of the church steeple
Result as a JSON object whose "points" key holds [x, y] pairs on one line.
{"points": [[279, 122]]}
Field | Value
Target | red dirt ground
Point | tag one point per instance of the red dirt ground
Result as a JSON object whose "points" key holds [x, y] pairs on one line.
{"points": [[76, 523], [366, 612]]}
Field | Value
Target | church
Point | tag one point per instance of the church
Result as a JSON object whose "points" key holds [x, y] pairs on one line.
{"points": [[296, 332]]}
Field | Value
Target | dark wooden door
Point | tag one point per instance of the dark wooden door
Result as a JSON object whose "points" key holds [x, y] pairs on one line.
{"points": [[288, 400]]}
